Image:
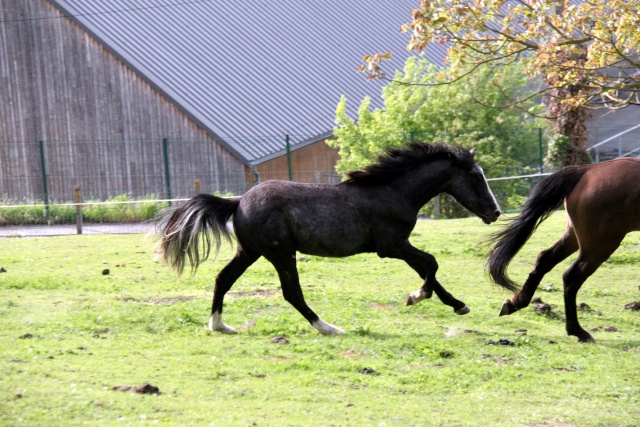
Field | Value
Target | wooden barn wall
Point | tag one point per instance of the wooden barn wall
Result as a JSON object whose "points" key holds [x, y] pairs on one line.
{"points": [[102, 126], [314, 163]]}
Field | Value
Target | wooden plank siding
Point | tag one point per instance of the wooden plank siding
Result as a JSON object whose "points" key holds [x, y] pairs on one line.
{"points": [[314, 163], [102, 124]]}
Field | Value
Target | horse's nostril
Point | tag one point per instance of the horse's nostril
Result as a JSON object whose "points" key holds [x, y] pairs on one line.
{"points": [[497, 213]]}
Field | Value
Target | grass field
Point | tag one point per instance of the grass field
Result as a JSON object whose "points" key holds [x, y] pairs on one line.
{"points": [[69, 334]]}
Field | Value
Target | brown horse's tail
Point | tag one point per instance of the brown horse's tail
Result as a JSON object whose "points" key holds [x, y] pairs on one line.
{"points": [[181, 229], [545, 198]]}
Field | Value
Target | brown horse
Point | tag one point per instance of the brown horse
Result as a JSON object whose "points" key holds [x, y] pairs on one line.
{"points": [[603, 205]]}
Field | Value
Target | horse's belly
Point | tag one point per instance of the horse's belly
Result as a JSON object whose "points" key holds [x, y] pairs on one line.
{"points": [[333, 245]]}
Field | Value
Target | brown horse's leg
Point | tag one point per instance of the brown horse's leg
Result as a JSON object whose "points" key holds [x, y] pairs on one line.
{"points": [[592, 255], [545, 262], [224, 280]]}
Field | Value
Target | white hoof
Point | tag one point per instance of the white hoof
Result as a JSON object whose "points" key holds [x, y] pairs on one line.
{"points": [[217, 325], [326, 329], [415, 297]]}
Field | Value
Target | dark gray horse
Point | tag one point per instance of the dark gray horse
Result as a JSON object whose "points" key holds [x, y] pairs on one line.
{"points": [[374, 210]]}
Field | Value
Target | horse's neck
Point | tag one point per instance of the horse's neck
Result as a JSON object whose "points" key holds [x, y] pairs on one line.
{"points": [[424, 184]]}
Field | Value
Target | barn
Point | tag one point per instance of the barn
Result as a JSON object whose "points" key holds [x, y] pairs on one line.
{"points": [[145, 97]]}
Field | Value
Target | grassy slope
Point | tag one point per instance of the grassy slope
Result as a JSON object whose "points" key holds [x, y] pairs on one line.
{"points": [[140, 324]]}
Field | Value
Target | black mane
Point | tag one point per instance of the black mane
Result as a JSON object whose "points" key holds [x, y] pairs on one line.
{"points": [[397, 161]]}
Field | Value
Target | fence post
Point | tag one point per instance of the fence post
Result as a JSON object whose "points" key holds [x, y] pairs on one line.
{"points": [[77, 199], [167, 176], [289, 157], [197, 183], [619, 147], [540, 149], [45, 190]]}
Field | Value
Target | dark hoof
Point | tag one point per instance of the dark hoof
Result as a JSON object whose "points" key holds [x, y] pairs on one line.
{"points": [[409, 301], [587, 339], [462, 311], [507, 308]]}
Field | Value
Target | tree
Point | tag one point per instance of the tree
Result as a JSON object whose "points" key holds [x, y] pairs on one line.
{"points": [[587, 53], [505, 138]]}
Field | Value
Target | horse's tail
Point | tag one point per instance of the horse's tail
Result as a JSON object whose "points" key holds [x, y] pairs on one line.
{"points": [[545, 198], [181, 229]]}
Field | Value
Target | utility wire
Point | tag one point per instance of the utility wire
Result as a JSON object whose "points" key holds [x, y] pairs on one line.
{"points": [[105, 12]]}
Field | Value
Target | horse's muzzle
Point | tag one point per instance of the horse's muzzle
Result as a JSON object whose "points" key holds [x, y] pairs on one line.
{"points": [[488, 219]]}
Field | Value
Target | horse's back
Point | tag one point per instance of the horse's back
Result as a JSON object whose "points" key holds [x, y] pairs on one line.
{"points": [[607, 197]]}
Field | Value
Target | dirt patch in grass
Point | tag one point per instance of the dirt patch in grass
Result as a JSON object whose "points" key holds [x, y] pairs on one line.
{"points": [[167, 300], [171, 300], [351, 354], [141, 389], [262, 293], [385, 307], [634, 306]]}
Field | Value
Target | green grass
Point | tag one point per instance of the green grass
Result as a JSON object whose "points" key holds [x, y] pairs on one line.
{"points": [[396, 366]]}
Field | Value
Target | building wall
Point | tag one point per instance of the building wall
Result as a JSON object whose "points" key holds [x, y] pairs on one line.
{"points": [[314, 163], [102, 125]]}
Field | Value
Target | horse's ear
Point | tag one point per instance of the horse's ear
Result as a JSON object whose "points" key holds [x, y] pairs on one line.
{"points": [[472, 152]]}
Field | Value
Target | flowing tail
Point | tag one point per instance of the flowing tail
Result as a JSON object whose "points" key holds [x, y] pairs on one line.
{"points": [[545, 198], [181, 230]]}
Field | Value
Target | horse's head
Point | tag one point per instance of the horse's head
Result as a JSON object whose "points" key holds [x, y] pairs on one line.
{"points": [[469, 187]]}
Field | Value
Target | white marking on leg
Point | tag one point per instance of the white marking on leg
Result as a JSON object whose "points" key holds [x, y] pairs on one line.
{"points": [[325, 328], [416, 296], [216, 324]]}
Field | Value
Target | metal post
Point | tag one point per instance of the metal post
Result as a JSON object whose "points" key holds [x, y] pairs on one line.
{"points": [[289, 158], [77, 199], [540, 149], [619, 147], [45, 190], [167, 175]]}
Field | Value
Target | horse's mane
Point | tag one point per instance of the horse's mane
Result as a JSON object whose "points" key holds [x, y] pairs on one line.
{"points": [[397, 161]]}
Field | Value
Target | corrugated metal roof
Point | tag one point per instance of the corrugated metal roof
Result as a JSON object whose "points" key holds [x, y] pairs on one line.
{"points": [[250, 72]]}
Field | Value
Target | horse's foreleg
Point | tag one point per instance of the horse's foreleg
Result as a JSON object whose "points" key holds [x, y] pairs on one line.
{"points": [[458, 306], [225, 279], [545, 262], [590, 258], [288, 273], [426, 266], [573, 278]]}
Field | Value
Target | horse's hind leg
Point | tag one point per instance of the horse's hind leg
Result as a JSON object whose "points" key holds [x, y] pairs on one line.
{"points": [[225, 279], [285, 265], [425, 291], [545, 262]]}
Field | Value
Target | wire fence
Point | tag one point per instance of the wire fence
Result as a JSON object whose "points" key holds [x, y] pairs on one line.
{"points": [[616, 142], [119, 215], [119, 187]]}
